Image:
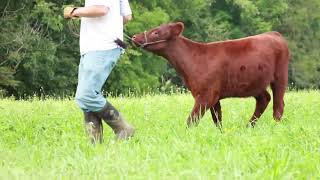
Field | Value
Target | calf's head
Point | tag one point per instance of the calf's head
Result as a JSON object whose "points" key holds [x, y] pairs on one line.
{"points": [[159, 37]]}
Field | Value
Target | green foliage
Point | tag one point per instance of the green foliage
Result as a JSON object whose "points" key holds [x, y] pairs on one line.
{"points": [[6, 77], [30, 49], [46, 140], [302, 26], [39, 52]]}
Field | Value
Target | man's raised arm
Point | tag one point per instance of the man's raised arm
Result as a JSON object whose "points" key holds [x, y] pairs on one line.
{"points": [[90, 11], [125, 11]]}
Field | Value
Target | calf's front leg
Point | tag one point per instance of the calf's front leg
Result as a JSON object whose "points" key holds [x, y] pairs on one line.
{"points": [[200, 107], [197, 113], [217, 115]]}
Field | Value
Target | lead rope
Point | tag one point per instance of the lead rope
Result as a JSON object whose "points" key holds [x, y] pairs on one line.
{"points": [[72, 27], [145, 37]]}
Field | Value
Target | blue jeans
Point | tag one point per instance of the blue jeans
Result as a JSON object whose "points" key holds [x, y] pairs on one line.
{"points": [[94, 69]]}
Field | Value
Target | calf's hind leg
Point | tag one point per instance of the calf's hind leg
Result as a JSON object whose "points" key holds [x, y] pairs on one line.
{"points": [[280, 84], [262, 102], [278, 91]]}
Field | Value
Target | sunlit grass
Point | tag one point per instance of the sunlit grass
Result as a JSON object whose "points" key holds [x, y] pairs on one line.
{"points": [[46, 139]]}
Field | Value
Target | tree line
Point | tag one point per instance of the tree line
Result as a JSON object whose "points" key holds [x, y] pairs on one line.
{"points": [[39, 50]]}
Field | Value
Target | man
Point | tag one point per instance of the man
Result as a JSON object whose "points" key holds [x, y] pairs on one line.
{"points": [[101, 24]]}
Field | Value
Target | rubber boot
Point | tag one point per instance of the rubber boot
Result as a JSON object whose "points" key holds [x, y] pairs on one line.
{"points": [[93, 126], [113, 118]]}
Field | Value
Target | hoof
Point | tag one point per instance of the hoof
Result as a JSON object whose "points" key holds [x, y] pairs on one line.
{"points": [[250, 125], [194, 123], [277, 119]]}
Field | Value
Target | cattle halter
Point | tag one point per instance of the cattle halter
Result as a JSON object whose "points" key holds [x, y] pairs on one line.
{"points": [[146, 43], [149, 43]]}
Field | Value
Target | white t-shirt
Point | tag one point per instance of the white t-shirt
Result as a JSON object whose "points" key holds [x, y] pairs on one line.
{"points": [[99, 33]]}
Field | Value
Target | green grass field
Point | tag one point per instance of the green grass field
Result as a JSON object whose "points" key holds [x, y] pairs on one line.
{"points": [[46, 140]]}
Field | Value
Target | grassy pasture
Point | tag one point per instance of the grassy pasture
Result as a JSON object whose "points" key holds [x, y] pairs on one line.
{"points": [[46, 140]]}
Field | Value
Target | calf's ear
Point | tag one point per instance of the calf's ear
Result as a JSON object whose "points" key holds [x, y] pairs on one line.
{"points": [[177, 28]]}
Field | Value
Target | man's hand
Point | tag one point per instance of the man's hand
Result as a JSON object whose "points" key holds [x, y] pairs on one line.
{"points": [[68, 12], [127, 18]]}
